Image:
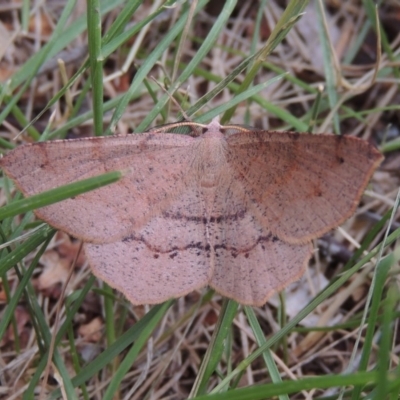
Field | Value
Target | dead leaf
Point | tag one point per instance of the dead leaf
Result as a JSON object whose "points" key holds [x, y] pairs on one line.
{"points": [[92, 331]]}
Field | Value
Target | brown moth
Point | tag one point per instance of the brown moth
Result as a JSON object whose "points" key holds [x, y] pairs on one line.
{"points": [[234, 208]]}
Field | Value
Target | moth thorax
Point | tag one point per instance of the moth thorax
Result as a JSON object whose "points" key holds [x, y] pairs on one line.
{"points": [[210, 161]]}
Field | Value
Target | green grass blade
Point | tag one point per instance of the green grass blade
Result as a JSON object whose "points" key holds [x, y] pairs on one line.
{"points": [[289, 17], [216, 347], [262, 392], [204, 49], [236, 100], [146, 67], [134, 351], [24, 249], [268, 359], [16, 298], [329, 64], [59, 194], [35, 63], [106, 357], [96, 62]]}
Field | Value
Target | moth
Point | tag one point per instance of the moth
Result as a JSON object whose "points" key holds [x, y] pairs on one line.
{"points": [[232, 207]]}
